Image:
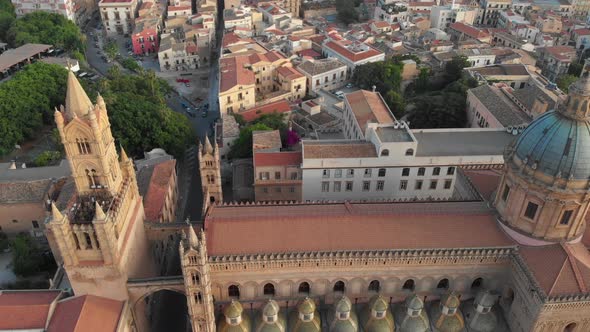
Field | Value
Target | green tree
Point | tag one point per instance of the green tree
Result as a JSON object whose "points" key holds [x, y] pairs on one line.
{"points": [[423, 80], [47, 157], [575, 69], [396, 103], [242, 147], [27, 101], [454, 68], [346, 11], [564, 82], [28, 259], [46, 28], [110, 49], [131, 64]]}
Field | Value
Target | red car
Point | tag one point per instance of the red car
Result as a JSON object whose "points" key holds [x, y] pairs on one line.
{"points": [[182, 80]]}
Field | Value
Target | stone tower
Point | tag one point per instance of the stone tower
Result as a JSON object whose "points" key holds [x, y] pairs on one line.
{"points": [[197, 281], [99, 236], [543, 196], [210, 167]]}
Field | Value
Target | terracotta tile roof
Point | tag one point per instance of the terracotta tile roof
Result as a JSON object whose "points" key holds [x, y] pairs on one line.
{"points": [[381, 24], [485, 181], [328, 150], [309, 53], [86, 313], [159, 184], [559, 269], [351, 55], [351, 226], [281, 106], [367, 107], [286, 158], [234, 72], [232, 38], [469, 30], [21, 310], [289, 73], [267, 139], [175, 8], [562, 53], [29, 191], [271, 56], [582, 32]]}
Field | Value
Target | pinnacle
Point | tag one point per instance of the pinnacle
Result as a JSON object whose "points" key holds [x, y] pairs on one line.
{"points": [[57, 216], [99, 213], [208, 146], [193, 240], [77, 101], [124, 157]]}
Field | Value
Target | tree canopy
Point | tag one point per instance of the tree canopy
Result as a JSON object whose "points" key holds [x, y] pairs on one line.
{"points": [[386, 76], [454, 68], [27, 101], [7, 16], [242, 147], [139, 116], [346, 12], [45, 28], [564, 82]]}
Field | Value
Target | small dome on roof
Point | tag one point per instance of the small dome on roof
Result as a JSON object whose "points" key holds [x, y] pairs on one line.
{"points": [[271, 308], [485, 299], [450, 300], [343, 305], [307, 306], [378, 303], [414, 302], [233, 310]]}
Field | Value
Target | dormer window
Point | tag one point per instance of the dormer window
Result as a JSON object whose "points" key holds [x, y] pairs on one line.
{"points": [[483, 310], [306, 317], [378, 314], [234, 321], [448, 311], [414, 312], [409, 152], [270, 319], [343, 315]]}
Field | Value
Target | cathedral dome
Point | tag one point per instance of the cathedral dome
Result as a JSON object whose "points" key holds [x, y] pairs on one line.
{"points": [[557, 146], [376, 317], [305, 318], [306, 307]]}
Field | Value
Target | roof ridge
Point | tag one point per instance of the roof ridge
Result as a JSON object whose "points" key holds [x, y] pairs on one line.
{"points": [[575, 268], [556, 278]]}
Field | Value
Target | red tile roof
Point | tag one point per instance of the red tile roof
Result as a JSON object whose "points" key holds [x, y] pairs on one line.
{"points": [[86, 313], [289, 73], [485, 181], [559, 269], [175, 8], [367, 107], [469, 30], [234, 72], [231, 39], [582, 32], [287, 158], [309, 53], [25, 309], [281, 106], [562, 53], [352, 56], [381, 24], [330, 150], [158, 188], [351, 226]]}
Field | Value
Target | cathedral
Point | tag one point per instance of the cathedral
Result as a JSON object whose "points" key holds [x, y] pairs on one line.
{"points": [[514, 260]]}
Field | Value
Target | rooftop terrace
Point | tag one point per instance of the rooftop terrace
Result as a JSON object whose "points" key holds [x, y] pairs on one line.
{"points": [[458, 142]]}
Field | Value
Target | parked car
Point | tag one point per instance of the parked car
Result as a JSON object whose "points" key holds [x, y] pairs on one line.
{"points": [[184, 105], [339, 94], [182, 80], [349, 85], [188, 85]]}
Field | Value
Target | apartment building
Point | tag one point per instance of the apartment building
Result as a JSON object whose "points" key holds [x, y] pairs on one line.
{"points": [[326, 74], [491, 9], [555, 61], [394, 162], [264, 66], [277, 174], [118, 16], [362, 108], [291, 81], [148, 25], [66, 8], [176, 55], [443, 16], [351, 53], [494, 106], [236, 84]]}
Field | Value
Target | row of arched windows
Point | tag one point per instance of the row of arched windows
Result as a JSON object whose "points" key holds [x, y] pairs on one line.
{"points": [[339, 287], [83, 146]]}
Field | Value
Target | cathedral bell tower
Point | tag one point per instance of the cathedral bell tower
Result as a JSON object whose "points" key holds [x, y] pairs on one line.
{"points": [[210, 167], [99, 234], [544, 193], [197, 280]]}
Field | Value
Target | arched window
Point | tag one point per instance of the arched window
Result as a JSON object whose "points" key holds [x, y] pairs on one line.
{"points": [[477, 283], [409, 285], [76, 241], [374, 286], [233, 291], [83, 146], [509, 297], [571, 327], [89, 178], [196, 279], [87, 240], [443, 284], [95, 177], [409, 152], [339, 286], [304, 288], [269, 289], [198, 298], [384, 153]]}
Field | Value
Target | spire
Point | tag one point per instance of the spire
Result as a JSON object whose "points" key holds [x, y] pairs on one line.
{"points": [[124, 157], [77, 101], [57, 216], [99, 213], [208, 146], [577, 105], [100, 102], [58, 116], [193, 240]]}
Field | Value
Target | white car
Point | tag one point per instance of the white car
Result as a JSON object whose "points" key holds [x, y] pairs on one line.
{"points": [[339, 94]]}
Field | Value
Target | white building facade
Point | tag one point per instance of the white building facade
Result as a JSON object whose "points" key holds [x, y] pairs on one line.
{"points": [[63, 7], [325, 74], [443, 16], [118, 17]]}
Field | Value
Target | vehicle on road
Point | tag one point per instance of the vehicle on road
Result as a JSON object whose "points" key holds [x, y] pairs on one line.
{"points": [[182, 80], [188, 85], [185, 105], [339, 94], [349, 85], [204, 114]]}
